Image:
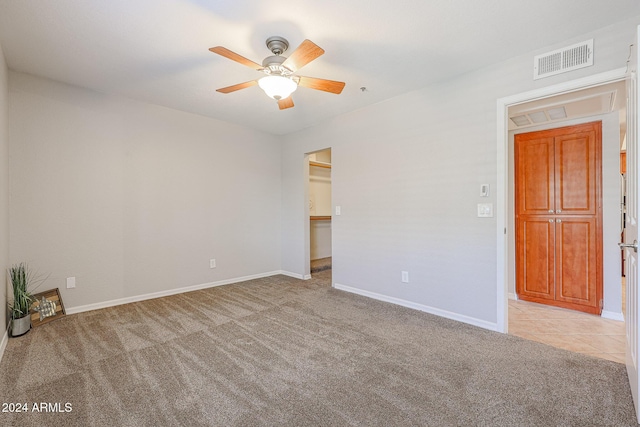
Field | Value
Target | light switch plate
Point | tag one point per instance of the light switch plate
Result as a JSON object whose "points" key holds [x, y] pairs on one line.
{"points": [[484, 190], [485, 210]]}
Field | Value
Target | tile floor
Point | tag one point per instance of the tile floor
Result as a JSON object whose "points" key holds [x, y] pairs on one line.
{"points": [[568, 329]]}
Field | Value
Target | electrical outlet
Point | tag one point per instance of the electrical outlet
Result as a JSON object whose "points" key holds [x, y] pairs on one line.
{"points": [[405, 277], [71, 282], [212, 263]]}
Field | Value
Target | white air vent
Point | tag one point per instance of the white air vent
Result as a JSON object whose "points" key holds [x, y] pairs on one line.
{"points": [[570, 58]]}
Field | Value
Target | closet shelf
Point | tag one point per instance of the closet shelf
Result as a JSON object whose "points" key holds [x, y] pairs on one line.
{"points": [[320, 218], [320, 164]]}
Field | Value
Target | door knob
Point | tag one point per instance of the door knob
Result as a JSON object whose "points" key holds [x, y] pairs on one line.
{"points": [[633, 245]]}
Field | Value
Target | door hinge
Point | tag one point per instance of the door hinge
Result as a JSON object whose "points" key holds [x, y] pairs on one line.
{"points": [[505, 230]]}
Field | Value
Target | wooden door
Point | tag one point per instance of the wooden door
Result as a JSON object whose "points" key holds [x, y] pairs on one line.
{"points": [[536, 259], [535, 180], [577, 262], [558, 217], [575, 170]]}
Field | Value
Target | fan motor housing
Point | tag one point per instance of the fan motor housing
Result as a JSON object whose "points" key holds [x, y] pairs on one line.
{"points": [[273, 65], [278, 45]]}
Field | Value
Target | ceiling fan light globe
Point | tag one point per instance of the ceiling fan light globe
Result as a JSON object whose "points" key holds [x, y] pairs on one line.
{"points": [[277, 87]]}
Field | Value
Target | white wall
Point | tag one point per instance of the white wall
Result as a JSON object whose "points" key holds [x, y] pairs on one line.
{"points": [[612, 287], [132, 198], [4, 189], [411, 203]]}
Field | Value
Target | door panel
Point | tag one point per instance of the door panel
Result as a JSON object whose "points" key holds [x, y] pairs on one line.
{"points": [[534, 183], [576, 261], [536, 257], [631, 224], [576, 174]]}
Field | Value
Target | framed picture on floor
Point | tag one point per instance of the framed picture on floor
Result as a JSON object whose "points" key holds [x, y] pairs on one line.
{"points": [[47, 306]]}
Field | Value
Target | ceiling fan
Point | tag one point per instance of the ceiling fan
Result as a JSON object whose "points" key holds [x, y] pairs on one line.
{"points": [[280, 80]]}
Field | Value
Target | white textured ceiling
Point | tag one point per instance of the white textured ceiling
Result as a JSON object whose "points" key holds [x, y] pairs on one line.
{"points": [[157, 51]]}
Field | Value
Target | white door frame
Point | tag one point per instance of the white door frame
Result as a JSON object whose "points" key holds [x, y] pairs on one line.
{"points": [[502, 200]]}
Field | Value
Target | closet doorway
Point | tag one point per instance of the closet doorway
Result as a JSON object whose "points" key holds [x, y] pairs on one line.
{"points": [[320, 210]]}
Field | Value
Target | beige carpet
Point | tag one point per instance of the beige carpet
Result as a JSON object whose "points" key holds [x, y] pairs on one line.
{"points": [[284, 352], [320, 264]]}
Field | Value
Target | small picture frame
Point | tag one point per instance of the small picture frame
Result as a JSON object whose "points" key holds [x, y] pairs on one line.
{"points": [[46, 307]]}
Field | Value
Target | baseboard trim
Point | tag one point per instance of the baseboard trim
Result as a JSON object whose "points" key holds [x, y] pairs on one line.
{"points": [[295, 275], [3, 343], [153, 295], [612, 315], [513, 296], [427, 309]]}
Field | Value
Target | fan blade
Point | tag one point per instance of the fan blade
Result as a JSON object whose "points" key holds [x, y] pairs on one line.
{"points": [[223, 51], [239, 86], [285, 103], [305, 53], [321, 84]]}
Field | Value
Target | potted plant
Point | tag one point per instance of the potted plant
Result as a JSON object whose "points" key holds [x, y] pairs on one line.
{"points": [[21, 279]]}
